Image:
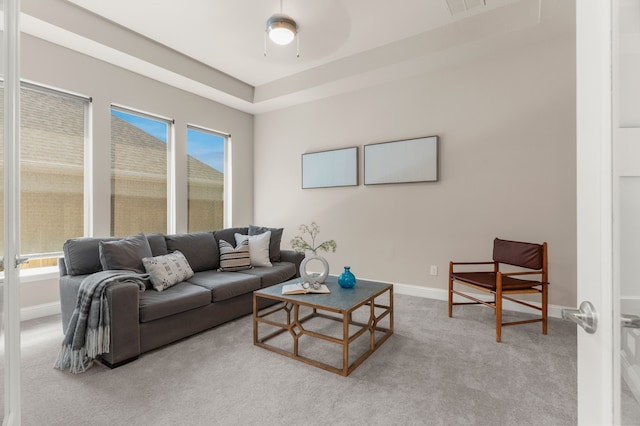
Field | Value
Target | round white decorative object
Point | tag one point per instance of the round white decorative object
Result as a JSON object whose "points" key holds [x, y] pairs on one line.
{"points": [[314, 277]]}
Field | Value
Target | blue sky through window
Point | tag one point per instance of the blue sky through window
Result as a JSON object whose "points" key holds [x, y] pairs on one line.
{"points": [[203, 146], [206, 147], [155, 128]]}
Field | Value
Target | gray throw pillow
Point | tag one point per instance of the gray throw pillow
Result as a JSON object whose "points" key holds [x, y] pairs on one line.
{"points": [[82, 255], [228, 234], [274, 244], [126, 253]]}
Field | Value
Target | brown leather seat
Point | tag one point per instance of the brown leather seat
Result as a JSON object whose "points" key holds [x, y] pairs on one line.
{"points": [[530, 260]]}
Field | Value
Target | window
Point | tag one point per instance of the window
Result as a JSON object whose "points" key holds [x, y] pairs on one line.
{"points": [[206, 160], [53, 132], [139, 172]]}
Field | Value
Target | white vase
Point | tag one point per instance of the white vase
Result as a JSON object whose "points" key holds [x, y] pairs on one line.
{"points": [[314, 277]]}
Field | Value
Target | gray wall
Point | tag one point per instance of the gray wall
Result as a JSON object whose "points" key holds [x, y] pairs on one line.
{"points": [[507, 168]]}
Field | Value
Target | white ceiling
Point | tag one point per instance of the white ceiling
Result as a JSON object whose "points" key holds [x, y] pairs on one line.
{"points": [[229, 34], [344, 44]]}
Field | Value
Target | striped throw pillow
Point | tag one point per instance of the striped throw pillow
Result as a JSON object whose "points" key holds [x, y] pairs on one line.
{"points": [[234, 259]]}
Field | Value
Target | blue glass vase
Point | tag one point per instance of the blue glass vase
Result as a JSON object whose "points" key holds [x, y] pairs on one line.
{"points": [[347, 279]]}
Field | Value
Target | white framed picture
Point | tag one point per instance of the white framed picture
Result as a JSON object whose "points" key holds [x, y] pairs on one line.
{"points": [[337, 167], [410, 160]]}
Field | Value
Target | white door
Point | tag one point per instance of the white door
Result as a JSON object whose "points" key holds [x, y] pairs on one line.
{"points": [[608, 178]]}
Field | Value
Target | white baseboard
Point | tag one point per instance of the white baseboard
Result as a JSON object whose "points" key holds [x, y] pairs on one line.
{"points": [[554, 311], [53, 308], [39, 311]]}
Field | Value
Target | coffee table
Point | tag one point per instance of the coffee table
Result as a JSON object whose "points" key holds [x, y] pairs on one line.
{"points": [[340, 305]]}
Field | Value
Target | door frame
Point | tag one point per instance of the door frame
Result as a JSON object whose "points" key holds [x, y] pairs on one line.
{"points": [[595, 358], [11, 287]]}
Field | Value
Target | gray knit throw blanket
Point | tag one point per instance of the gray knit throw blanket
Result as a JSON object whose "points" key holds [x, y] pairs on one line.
{"points": [[88, 332]]}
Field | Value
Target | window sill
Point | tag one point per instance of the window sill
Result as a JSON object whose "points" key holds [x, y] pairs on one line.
{"points": [[36, 274]]}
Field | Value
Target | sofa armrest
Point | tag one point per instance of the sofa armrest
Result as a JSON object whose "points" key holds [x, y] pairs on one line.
{"points": [[62, 267], [293, 257], [123, 299], [69, 286]]}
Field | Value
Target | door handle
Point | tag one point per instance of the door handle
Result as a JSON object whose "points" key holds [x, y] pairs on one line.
{"points": [[19, 261], [585, 317], [630, 321]]}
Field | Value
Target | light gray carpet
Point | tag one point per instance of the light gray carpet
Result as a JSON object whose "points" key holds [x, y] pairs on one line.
{"points": [[433, 370]]}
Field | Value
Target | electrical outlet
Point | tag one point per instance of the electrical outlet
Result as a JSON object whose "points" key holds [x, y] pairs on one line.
{"points": [[434, 269]]}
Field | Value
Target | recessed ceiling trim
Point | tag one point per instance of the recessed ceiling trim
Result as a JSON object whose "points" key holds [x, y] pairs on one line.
{"points": [[446, 46], [78, 22], [50, 33]]}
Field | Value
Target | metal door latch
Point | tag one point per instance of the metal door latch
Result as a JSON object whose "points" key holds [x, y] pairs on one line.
{"points": [[630, 321], [585, 317]]}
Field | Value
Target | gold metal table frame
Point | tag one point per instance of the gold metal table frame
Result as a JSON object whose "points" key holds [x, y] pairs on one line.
{"points": [[338, 306]]}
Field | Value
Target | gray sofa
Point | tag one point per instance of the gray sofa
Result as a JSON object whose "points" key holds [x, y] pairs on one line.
{"points": [[145, 320]]}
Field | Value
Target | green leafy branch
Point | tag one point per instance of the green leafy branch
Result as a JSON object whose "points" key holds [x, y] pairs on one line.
{"points": [[299, 244]]}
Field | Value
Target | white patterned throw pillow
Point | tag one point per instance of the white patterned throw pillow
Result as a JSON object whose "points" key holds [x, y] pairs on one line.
{"points": [[234, 259], [167, 270], [258, 248]]}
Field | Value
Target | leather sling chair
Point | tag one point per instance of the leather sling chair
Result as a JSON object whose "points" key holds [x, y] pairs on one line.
{"points": [[531, 276]]}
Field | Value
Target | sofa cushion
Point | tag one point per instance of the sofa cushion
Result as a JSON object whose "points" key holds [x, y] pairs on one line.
{"points": [[199, 248], [179, 298], [126, 253], [82, 255], [228, 234], [279, 272], [168, 270], [158, 244], [258, 248], [234, 259], [225, 285], [274, 244]]}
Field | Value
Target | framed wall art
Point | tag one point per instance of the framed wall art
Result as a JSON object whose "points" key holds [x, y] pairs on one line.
{"points": [[410, 160], [338, 167]]}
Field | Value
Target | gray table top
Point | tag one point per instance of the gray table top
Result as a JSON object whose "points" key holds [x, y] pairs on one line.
{"points": [[341, 299]]}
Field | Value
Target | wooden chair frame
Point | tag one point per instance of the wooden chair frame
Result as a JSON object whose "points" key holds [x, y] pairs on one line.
{"points": [[501, 291]]}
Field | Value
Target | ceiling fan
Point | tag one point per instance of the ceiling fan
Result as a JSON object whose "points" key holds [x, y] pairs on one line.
{"points": [[282, 30]]}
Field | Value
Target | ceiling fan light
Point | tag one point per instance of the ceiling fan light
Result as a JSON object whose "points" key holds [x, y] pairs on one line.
{"points": [[281, 36], [281, 29]]}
